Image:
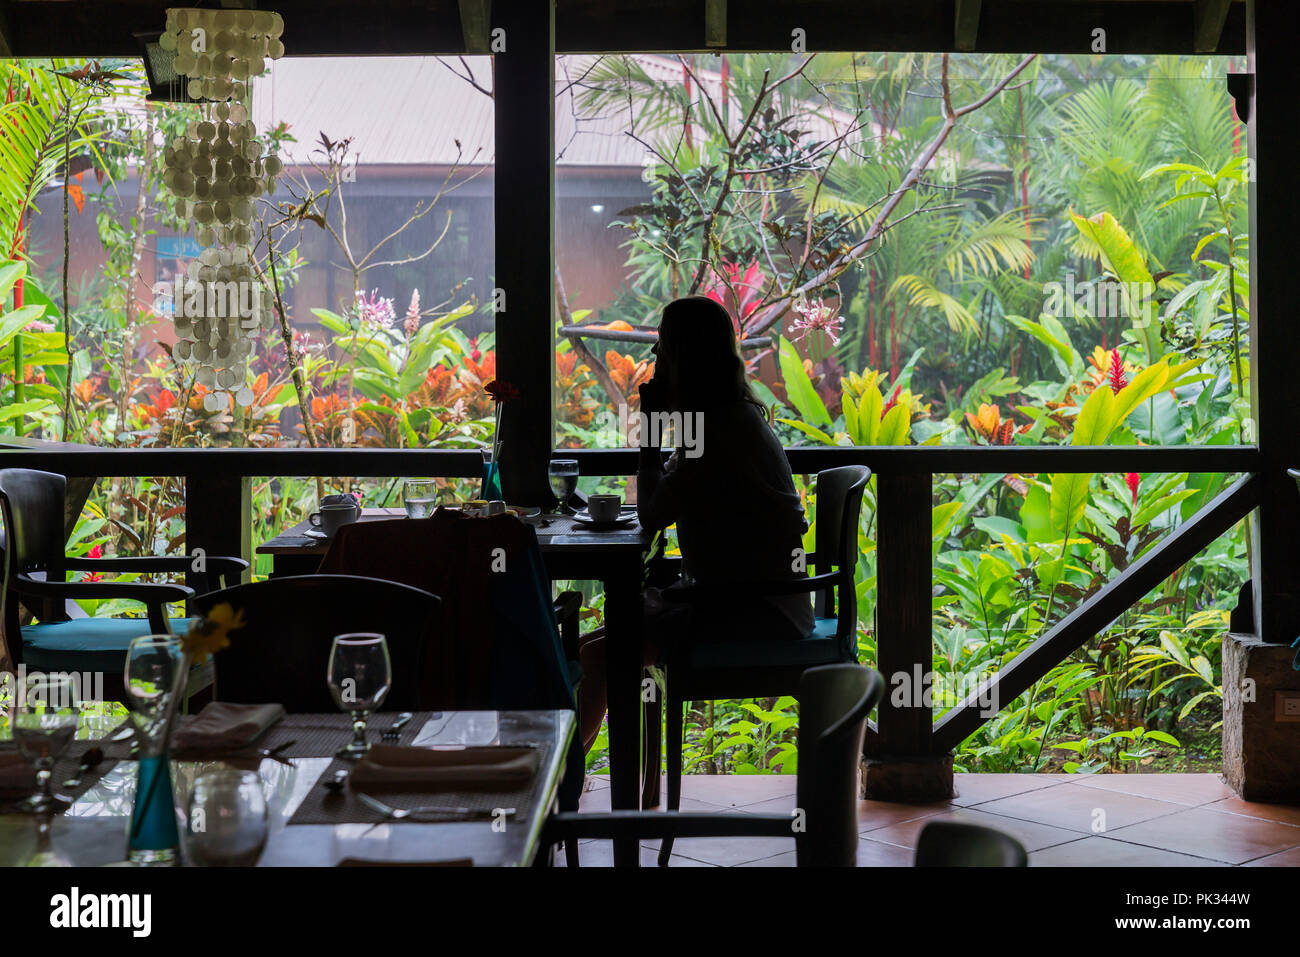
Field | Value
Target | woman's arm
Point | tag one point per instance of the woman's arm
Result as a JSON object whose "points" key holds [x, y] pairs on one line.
{"points": [[654, 506]]}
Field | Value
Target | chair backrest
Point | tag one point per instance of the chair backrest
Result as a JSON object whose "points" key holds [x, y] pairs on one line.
{"points": [[953, 844], [33, 505], [283, 651], [834, 702], [839, 507]]}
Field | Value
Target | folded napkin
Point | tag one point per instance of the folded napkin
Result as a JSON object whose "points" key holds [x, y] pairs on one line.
{"points": [[17, 776], [222, 726], [397, 768]]}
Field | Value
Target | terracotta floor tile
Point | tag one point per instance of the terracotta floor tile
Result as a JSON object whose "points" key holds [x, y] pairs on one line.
{"points": [[1232, 838], [735, 790], [977, 788], [1282, 813], [1088, 810], [870, 854], [1107, 852], [1032, 835], [1289, 858], [1188, 789], [601, 854]]}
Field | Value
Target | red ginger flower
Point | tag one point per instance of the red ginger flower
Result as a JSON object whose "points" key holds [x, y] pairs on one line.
{"points": [[1115, 374], [1132, 480]]}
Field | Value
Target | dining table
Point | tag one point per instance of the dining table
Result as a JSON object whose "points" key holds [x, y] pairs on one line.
{"points": [[571, 551], [309, 823]]}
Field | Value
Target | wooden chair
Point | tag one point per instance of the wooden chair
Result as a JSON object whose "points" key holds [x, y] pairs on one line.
{"points": [[283, 651], [952, 844], [32, 505], [834, 702], [758, 667]]}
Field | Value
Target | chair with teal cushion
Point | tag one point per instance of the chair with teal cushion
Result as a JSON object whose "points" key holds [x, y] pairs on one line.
{"points": [[757, 667], [35, 575]]}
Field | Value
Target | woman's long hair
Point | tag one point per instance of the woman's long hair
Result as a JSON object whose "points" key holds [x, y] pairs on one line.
{"points": [[699, 353]]}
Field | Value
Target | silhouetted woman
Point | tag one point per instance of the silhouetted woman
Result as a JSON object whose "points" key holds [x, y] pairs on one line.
{"points": [[729, 492], [732, 497]]}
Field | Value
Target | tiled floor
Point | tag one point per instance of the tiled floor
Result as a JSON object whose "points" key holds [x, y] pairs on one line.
{"points": [[1064, 820]]}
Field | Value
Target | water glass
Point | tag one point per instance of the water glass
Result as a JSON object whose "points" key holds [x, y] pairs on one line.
{"points": [[227, 824], [44, 724], [564, 480], [360, 675], [420, 497]]}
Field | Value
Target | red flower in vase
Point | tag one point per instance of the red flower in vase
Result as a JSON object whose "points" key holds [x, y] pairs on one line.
{"points": [[501, 391]]}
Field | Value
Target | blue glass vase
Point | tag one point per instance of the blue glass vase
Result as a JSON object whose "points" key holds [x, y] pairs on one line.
{"points": [[154, 837], [491, 487], [156, 671]]}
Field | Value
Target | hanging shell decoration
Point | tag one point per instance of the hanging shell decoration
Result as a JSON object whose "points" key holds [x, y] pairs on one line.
{"points": [[216, 172]]}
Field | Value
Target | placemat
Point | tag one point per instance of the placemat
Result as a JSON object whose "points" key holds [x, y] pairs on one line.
{"points": [[67, 766], [322, 806], [313, 735]]}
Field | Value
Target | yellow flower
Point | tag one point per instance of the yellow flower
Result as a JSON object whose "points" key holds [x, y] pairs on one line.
{"points": [[209, 635]]}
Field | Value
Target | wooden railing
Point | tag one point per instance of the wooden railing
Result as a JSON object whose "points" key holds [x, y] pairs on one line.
{"points": [[218, 520]]}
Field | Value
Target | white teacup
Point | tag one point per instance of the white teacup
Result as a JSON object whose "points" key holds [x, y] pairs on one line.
{"points": [[604, 508]]}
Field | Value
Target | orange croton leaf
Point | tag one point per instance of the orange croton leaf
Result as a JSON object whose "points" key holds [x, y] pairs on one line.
{"points": [[78, 197]]}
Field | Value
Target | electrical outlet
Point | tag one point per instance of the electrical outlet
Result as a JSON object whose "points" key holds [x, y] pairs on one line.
{"points": [[1287, 706]]}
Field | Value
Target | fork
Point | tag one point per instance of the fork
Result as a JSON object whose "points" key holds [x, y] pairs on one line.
{"points": [[448, 813], [394, 731]]}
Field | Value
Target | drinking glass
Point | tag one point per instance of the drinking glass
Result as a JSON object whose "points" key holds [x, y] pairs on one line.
{"points": [[420, 497], [564, 481], [227, 824], [360, 674], [44, 724]]}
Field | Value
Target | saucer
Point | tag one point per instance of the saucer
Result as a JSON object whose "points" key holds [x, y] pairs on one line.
{"points": [[596, 526]]}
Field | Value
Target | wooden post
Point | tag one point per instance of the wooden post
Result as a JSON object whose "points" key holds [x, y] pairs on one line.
{"points": [[218, 519], [1275, 350], [902, 765], [524, 84]]}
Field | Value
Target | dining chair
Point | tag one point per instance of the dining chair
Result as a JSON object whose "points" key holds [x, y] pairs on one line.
{"points": [[955, 844], [503, 643], [702, 668], [282, 652], [35, 572], [834, 702]]}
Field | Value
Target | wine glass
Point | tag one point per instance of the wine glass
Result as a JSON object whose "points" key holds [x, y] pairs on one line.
{"points": [[419, 496], [44, 724], [153, 676], [360, 674], [564, 481], [227, 822]]}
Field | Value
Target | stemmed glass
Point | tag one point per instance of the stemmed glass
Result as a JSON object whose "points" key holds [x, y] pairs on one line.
{"points": [[227, 823], [360, 674], [564, 481], [45, 722]]}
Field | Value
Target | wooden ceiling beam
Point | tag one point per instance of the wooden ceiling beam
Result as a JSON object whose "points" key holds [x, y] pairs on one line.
{"points": [[967, 25], [105, 28], [1210, 15], [6, 33], [715, 23], [475, 18]]}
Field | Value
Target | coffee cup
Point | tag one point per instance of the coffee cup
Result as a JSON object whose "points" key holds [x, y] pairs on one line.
{"points": [[332, 517], [604, 508]]}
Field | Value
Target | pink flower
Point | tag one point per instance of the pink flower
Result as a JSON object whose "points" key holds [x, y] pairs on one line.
{"points": [[375, 310], [413, 314], [37, 325], [473, 349], [815, 316]]}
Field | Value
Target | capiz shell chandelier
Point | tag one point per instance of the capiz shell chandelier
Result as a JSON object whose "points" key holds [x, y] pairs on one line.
{"points": [[216, 171]]}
